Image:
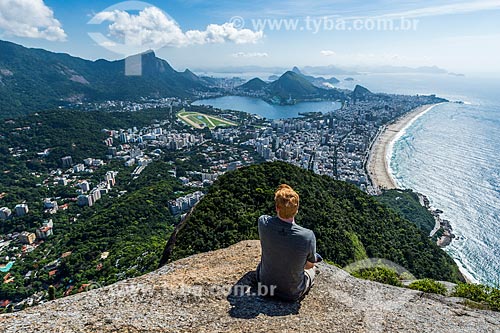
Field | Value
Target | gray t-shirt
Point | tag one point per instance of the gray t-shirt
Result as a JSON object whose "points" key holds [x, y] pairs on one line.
{"points": [[285, 249]]}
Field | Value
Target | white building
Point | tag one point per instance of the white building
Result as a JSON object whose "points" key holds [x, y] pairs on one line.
{"points": [[96, 195], [21, 209], [50, 206], [124, 138], [5, 213], [85, 186], [85, 200], [130, 162], [79, 168], [88, 161], [67, 161], [110, 177], [184, 203], [46, 230]]}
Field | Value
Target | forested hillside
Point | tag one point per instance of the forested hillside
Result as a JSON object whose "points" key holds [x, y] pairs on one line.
{"points": [[349, 225], [408, 205]]}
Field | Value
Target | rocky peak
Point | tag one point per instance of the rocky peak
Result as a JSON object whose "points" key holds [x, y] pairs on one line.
{"points": [[191, 295]]}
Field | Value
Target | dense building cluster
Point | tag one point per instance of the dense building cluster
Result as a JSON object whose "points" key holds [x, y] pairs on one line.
{"points": [[95, 193], [336, 144], [184, 203]]}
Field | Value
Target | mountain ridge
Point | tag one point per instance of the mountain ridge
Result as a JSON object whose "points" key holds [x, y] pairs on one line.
{"points": [[292, 84], [291, 87], [253, 85], [41, 79], [319, 82]]}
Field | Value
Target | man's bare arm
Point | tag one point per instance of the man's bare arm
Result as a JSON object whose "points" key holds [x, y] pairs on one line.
{"points": [[309, 265]]}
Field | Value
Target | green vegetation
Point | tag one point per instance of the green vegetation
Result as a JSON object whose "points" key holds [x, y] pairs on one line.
{"points": [[428, 286], [361, 93], [335, 211], [407, 203], [359, 249], [132, 226], [379, 274], [484, 295], [34, 80], [294, 85], [254, 85], [65, 133]]}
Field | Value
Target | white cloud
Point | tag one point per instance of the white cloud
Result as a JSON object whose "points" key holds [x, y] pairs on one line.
{"points": [[30, 18], [251, 55], [328, 53], [152, 28], [107, 43]]}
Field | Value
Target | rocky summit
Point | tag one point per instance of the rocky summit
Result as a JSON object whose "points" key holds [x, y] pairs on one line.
{"points": [[215, 292]]}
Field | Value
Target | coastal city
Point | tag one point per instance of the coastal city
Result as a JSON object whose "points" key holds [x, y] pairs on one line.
{"points": [[208, 142], [162, 164]]}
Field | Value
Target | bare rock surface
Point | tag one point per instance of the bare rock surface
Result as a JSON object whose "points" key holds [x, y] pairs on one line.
{"points": [[207, 293]]}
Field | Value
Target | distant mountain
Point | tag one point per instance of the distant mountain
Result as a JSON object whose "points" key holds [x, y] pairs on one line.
{"points": [[188, 75], [254, 85], [328, 70], [361, 93], [356, 70], [312, 70], [239, 69], [35, 79], [293, 85], [319, 82]]}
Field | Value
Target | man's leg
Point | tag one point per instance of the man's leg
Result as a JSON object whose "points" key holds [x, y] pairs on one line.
{"points": [[310, 275]]}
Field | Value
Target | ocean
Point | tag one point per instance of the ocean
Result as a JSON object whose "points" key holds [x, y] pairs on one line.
{"points": [[452, 155]]}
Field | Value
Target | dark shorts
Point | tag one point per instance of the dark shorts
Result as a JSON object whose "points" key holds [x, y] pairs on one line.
{"points": [[309, 274]]}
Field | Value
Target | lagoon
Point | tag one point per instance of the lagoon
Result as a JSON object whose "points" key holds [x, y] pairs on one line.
{"points": [[270, 111]]}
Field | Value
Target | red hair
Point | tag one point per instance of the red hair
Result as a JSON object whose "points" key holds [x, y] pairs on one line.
{"points": [[287, 201]]}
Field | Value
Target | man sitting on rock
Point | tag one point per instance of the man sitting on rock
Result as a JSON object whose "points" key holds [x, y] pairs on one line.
{"points": [[288, 250]]}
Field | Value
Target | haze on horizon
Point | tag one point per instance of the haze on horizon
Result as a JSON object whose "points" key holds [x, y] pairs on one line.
{"points": [[459, 36]]}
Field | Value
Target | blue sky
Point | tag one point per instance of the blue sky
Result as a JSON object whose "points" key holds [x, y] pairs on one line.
{"points": [[459, 36]]}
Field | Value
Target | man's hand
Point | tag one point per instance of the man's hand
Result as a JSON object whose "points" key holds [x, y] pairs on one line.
{"points": [[309, 265]]}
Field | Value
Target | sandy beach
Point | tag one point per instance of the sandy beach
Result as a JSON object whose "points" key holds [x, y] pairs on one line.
{"points": [[378, 160]]}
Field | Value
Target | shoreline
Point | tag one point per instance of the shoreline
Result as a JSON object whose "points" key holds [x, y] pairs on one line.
{"points": [[380, 153], [380, 174]]}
